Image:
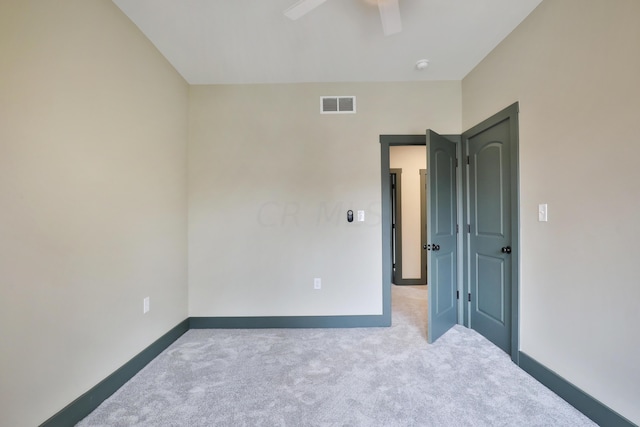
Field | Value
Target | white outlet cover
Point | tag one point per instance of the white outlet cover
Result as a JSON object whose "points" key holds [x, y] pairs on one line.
{"points": [[317, 283], [145, 305]]}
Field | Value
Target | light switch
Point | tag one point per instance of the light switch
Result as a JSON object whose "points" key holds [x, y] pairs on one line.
{"points": [[360, 216], [542, 212]]}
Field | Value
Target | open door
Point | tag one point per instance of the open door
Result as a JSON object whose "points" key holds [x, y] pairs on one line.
{"points": [[441, 234]]}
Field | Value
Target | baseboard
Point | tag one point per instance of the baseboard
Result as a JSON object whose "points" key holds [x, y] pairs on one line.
{"points": [[85, 404], [88, 402], [289, 322], [591, 407], [409, 282]]}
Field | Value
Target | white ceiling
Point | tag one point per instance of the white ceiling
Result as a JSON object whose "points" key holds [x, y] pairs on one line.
{"points": [[251, 41]]}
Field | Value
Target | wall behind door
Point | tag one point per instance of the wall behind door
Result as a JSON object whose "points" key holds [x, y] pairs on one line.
{"points": [[270, 183], [410, 159]]}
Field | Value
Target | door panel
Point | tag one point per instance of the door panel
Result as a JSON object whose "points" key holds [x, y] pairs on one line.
{"points": [[490, 221], [490, 297], [445, 272], [445, 173], [441, 234], [489, 183]]}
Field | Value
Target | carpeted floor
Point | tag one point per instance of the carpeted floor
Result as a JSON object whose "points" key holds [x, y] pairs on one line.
{"points": [[336, 377]]}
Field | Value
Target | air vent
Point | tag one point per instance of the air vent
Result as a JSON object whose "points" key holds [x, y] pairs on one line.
{"points": [[337, 104]]}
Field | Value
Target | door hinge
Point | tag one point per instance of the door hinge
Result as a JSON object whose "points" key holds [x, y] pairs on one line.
{"points": [[469, 297], [457, 294], [457, 229], [456, 162], [468, 160], [468, 228]]}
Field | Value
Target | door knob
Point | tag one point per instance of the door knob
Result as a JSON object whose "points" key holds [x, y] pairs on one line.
{"points": [[435, 247], [506, 250]]}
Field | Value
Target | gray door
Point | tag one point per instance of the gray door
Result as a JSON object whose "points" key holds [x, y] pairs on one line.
{"points": [[491, 155], [441, 234]]}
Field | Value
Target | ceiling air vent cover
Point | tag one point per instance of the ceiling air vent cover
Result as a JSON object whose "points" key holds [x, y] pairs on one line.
{"points": [[337, 104]]}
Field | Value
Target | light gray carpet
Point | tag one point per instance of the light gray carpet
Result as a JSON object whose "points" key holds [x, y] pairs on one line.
{"points": [[336, 377]]}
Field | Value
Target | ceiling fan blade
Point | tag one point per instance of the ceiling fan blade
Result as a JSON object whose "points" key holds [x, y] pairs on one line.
{"points": [[390, 16], [302, 7]]}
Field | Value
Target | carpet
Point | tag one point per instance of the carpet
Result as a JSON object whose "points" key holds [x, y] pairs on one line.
{"points": [[336, 377]]}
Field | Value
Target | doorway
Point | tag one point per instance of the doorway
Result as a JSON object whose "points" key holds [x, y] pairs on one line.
{"points": [[387, 141], [486, 289], [407, 214]]}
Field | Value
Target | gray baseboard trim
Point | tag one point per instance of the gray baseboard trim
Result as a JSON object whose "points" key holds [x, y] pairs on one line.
{"points": [[89, 401], [409, 282], [592, 408], [289, 322], [85, 404]]}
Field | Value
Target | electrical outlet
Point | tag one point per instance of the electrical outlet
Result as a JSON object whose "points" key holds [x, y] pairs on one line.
{"points": [[317, 283], [145, 305]]}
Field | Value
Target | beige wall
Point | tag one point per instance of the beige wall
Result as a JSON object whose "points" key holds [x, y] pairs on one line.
{"points": [[270, 182], [93, 133], [93, 179], [574, 68], [410, 159]]}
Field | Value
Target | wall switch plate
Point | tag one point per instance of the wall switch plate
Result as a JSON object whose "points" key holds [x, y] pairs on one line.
{"points": [[317, 283], [361, 216], [542, 212], [145, 305]]}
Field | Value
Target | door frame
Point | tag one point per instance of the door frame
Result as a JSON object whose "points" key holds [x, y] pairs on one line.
{"points": [[396, 243], [423, 225], [509, 113], [387, 141], [397, 275]]}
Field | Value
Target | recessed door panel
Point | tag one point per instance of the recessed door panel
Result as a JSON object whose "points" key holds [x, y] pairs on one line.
{"points": [[445, 172], [489, 182], [445, 272], [490, 287]]}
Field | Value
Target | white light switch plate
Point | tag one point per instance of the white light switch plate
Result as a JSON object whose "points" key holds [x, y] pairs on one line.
{"points": [[542, 212], [360, 216]]}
